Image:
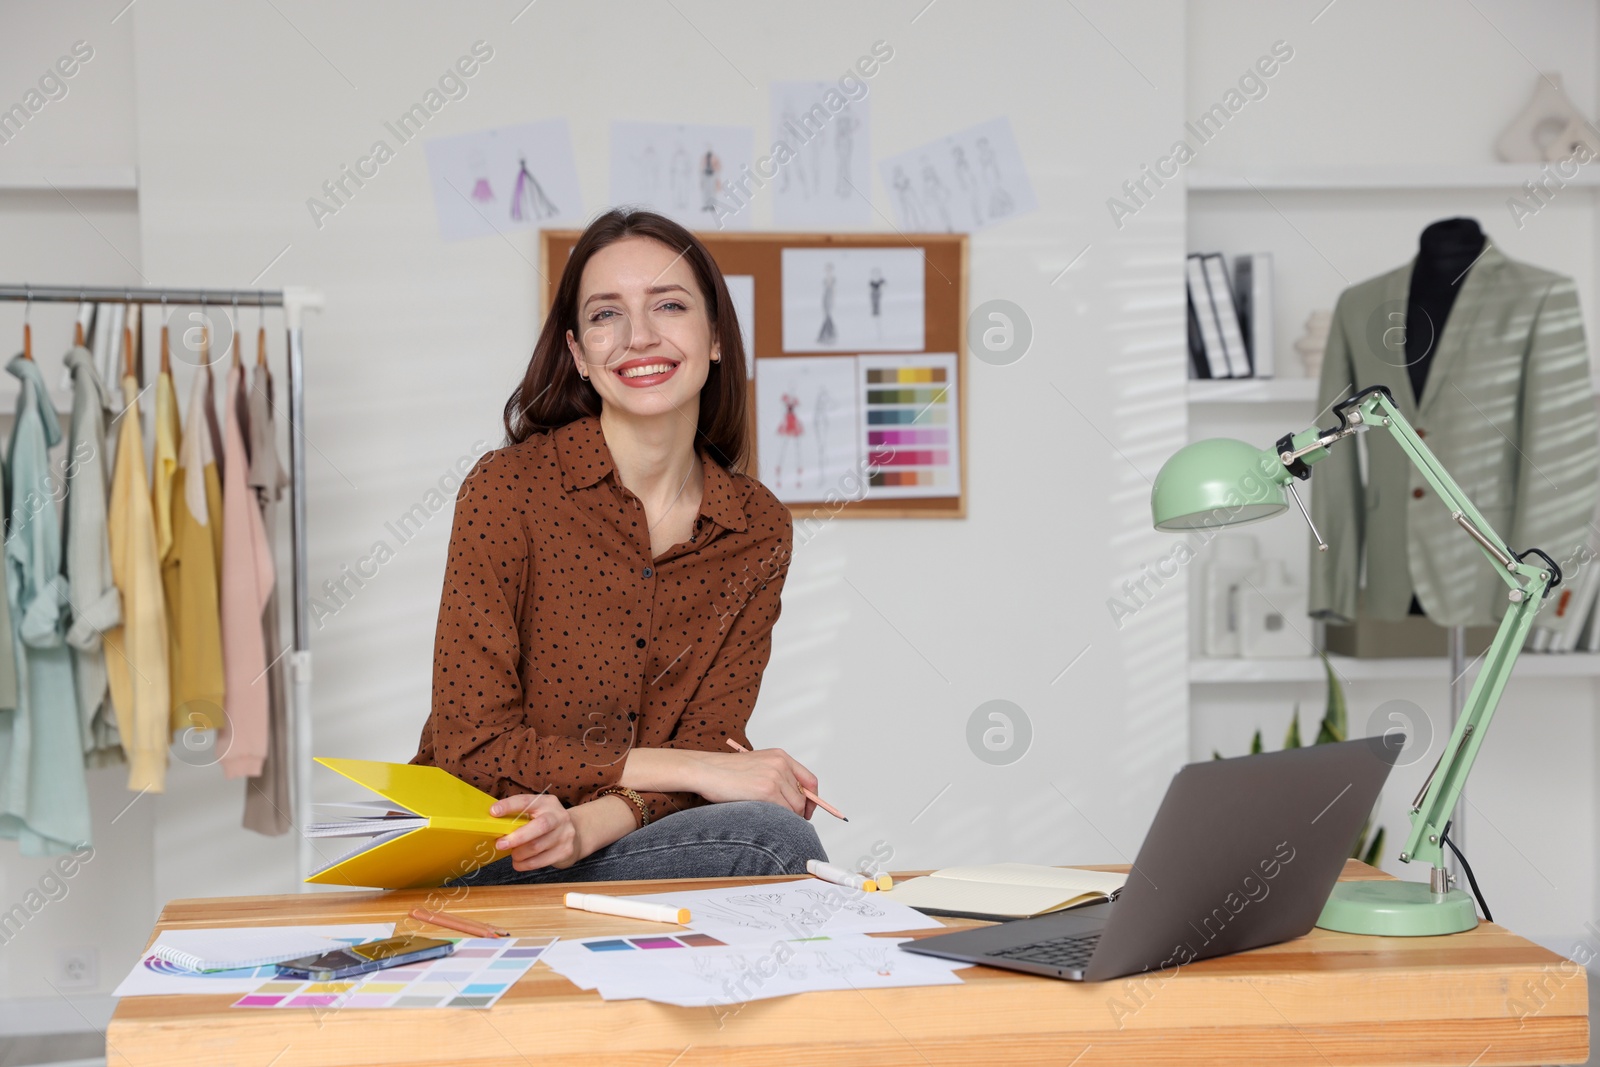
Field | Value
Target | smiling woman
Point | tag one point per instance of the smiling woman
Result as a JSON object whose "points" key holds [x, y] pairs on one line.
{"points": [[594, 652]]}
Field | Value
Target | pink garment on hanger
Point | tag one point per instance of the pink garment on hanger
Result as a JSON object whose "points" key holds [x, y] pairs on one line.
{"points": [[247, 581]]}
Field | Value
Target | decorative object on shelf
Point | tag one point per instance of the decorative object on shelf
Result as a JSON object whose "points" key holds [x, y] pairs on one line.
{"points": [[1550, 128], [1413, 637], [1487, 357], [1313, 341], [1222, 482], [1333, 727], [1233, 558], [1271, 609]]}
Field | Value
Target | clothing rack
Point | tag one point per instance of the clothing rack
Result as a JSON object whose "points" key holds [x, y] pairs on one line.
{"points": [[294, 301]]}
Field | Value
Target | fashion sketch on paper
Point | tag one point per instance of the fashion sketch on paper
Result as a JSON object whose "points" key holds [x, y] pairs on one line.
{"points": [[828, 333], [710, 180], [789, 431], [530, 191]]}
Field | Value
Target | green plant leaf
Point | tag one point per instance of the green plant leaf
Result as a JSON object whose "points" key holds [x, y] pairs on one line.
{"points": [[1335, 722], [1255, 744], [1292, 739], [1215, 754], [1375, 853]]}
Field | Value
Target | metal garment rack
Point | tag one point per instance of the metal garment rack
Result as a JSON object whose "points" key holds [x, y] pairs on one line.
{"points": [[294, 301]]}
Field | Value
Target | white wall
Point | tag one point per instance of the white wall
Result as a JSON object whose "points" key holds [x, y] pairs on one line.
{"points": [[892, 632]]}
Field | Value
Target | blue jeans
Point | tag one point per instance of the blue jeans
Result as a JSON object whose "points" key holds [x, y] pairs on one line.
{"points": [[742, 838]]}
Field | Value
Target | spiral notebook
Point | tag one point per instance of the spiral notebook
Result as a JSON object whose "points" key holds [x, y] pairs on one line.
{"points": [[230, 948]]}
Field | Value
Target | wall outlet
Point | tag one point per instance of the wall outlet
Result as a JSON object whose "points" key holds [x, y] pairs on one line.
{"points": [[77, 967]]}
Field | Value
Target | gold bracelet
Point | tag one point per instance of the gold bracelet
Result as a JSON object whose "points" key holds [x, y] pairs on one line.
{"points": [[631, 797]]}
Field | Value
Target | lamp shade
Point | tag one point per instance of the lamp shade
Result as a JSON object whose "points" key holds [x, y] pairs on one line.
{"points": [[1217, 482]]}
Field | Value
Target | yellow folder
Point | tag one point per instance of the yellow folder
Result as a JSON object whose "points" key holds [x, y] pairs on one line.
{"points": [[458, 837]]}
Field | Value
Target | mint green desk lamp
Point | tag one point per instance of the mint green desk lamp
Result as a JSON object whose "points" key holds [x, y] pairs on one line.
{"points": [[1222, 482]]}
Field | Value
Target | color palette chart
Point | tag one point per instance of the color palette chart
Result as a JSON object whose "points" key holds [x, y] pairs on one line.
{"points": [[475, 975], [910, 425]]}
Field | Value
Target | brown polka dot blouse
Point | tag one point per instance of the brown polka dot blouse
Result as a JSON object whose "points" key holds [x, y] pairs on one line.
{"points": [[561, 643]]}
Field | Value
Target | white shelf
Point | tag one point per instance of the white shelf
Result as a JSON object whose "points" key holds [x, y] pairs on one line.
{"points": [[1461, 176], [1309, 669], [1252, 390], [70, 179]]}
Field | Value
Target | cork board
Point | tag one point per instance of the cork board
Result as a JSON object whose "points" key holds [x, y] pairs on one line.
{"points": [[760, 254]]}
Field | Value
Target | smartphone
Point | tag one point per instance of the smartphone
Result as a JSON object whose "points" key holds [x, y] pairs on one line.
{"points": [[372, 956]]}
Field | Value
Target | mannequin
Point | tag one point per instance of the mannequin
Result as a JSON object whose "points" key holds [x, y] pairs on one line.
{"points": [[1445, 252]]}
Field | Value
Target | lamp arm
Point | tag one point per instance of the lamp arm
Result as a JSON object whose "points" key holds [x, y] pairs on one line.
{"points": [[1530, 583]]}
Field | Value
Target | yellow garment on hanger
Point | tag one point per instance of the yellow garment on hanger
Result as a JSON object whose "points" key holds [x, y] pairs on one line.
{"points": [[136, 649], [189, 575]]}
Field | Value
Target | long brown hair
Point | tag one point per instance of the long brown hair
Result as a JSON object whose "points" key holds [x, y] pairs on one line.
{"points": [[552, 392]]}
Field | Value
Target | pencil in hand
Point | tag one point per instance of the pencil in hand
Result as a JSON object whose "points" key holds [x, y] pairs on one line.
{"points": [[823, 804]]}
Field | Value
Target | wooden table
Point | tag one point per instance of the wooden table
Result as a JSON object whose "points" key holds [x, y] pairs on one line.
{"points": [[1326, 998]]}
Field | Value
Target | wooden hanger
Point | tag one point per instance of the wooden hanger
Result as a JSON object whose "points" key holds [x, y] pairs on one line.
{"points": [[166, 347], [261, 335], [27, 329], [234, 361]]}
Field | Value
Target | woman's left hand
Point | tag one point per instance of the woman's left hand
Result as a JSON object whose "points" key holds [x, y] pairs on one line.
{"points": [[548, 839]]}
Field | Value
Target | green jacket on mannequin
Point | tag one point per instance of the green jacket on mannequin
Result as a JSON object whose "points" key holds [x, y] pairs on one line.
{"points": [[1508, 409]]}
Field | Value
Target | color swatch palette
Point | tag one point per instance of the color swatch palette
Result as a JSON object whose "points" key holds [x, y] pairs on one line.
{"points": [[475, 975], [626, 944], [917, 392]]}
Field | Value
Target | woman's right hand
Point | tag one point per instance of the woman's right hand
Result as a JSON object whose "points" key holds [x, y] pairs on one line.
{"points": [[768, 774]]}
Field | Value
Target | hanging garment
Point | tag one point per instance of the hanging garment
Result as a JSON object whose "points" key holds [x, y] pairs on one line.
{"points": [[267, 799], [45, 795], [1508, 409], [189, 580], [136, 649], [95, 604], [214, 484], [247, 579]]}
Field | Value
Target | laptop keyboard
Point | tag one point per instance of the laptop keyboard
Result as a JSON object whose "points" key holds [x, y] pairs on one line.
{"points": [[1064, 952]]}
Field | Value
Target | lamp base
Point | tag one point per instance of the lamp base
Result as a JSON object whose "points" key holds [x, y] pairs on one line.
{"points": [[1397, 909]]}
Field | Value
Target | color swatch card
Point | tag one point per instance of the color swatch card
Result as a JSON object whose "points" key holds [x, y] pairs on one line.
{"points": [[695, 970], [803, 908], [910, 425], [475, 975]]}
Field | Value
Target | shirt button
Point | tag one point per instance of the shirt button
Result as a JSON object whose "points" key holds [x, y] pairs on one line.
{"points": [[648, 572], [1417, 493], [640, 642]]}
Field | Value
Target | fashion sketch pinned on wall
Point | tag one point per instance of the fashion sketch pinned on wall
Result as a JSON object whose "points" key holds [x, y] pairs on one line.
{"points": [[820, 157], [850, 299], [742, 288], [508, 178], [682, 170], [806, 435], [960, 183]]}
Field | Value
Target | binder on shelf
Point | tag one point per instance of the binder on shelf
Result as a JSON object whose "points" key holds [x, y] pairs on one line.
{"points": [[1252, 275], [1200, 304], [1198, 367], [1227, 310]]}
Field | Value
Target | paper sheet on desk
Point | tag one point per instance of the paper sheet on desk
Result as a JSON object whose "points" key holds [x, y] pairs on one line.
{"points": [[152, 976], [803, 908], [696, 971]]}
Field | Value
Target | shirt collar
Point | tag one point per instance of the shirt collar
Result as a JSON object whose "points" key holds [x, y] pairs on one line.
{"points": [[585, 459]]}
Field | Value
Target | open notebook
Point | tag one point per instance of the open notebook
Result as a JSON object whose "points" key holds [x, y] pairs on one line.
{"points": [[1005, 890], [431, 826]]}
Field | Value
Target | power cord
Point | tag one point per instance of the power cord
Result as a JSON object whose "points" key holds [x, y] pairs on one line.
{"points": [[1465, 866]]}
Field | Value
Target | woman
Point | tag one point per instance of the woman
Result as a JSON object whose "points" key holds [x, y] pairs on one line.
{"points": [[611, 589]]}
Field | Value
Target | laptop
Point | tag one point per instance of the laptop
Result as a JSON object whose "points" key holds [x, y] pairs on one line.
{"points": [[1242, 853]]}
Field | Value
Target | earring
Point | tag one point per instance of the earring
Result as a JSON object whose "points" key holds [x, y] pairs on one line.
{"points": [[582, 375], [717, 358]]}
